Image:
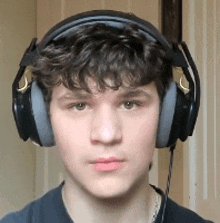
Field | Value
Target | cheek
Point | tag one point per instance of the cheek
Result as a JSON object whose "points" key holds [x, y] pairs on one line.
{"points": [[67, 129], [70, 136], [143, 130], [141, 136]]}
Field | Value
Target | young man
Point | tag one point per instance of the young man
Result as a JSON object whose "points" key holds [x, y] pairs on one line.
{"points": [[104, 88]]}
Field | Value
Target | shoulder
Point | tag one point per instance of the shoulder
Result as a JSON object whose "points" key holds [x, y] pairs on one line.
{"points": [[35, 211], [180, 214], [177, 213]]}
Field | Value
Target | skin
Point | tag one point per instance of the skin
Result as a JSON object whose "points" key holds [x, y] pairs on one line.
{"points": [[103, 125]]}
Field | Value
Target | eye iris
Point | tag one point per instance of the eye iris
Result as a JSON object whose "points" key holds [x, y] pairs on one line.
{"points": [[128, 104], [80, 106]]}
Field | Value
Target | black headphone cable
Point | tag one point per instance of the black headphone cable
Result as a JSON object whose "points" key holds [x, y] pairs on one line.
{"points": [[168, 181]]}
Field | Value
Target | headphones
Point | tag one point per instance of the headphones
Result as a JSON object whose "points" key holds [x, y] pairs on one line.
{"points": [[179, 111]]}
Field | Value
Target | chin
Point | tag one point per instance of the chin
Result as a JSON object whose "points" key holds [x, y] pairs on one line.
{"points": [[110, 194], [109, 191]]}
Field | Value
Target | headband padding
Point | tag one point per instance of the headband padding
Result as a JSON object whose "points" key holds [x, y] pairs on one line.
{"points": [[41, 117], [166, 116], [115, 19]]}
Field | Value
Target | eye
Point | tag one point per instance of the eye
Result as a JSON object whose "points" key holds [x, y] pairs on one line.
{"points": [[78, 106], [131, 104]]}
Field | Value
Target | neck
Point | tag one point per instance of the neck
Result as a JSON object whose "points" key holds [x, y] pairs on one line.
{"points": [[138, 205]]}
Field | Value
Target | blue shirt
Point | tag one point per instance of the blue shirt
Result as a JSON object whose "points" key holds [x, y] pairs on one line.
{"points": [[50, 209]]}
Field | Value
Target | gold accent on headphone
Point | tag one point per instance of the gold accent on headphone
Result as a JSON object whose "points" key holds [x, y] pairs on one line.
{"points": [[181, 85], [25, 85], [179, 70]]}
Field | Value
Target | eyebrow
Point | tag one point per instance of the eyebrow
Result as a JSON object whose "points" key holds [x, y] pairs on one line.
{"points": [[85, 96], [134, 93], [75, 95]]}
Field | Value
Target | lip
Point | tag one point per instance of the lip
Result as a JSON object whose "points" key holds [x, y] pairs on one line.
{"points": [[109, 164], [107, 160]]}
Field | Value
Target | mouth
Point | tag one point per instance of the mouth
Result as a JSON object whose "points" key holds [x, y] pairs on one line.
{"points": [[108, 164]]}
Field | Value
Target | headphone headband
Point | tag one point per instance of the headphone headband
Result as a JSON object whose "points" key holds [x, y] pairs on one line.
{"points": [[114, 19]]}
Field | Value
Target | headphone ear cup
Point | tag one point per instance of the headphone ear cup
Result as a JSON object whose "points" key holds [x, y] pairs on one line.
{"points": [[166, 116], [43, 134], [174, 117], [181, 119], [22, 113]]}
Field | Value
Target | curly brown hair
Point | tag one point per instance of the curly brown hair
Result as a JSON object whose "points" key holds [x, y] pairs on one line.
{"points": [[100, 51]]}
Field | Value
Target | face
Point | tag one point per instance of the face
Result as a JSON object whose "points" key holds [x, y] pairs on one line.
{"points": [[106, 140]]}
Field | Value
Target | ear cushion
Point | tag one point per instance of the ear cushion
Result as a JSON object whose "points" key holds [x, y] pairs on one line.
{"points": [[41, 118], [166, 116]]}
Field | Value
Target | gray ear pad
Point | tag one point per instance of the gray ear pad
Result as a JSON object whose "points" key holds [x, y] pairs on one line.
{"points": [[166, 116], [41, 118]]}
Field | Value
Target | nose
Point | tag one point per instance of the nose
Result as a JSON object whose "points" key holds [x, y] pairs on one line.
{"points": [[106, 127]]}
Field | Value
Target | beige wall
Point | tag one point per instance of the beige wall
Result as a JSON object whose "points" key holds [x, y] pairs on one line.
{"points": [[51, 11], [201, 26], [17, 159]]}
